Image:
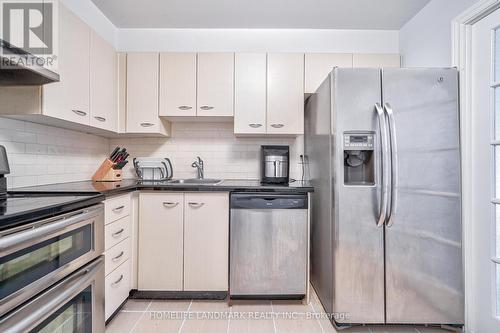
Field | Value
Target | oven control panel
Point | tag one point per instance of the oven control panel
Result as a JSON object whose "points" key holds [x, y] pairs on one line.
{"points": [[358, 141]]}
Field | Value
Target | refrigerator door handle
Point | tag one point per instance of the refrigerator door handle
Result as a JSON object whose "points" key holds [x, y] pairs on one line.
{"points": [[394, 164], [385, 165]]}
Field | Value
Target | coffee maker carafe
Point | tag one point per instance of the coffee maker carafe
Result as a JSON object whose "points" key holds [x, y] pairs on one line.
{"points": [[275, 167]]}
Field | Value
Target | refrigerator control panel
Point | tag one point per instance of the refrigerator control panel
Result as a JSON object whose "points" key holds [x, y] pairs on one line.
{"points": [[357, 141]]}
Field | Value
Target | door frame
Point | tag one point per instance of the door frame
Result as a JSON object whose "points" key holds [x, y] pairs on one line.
{"points": [[462, 59]]}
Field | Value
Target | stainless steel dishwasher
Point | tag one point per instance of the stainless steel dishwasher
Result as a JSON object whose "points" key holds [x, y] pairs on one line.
{"points": [[268, 246]]}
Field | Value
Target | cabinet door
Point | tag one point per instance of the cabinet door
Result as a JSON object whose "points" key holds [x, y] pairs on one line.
{"points": [[103, 84], [142, 93], [319, 65], [206, 241], [215, 84], [250, 75], [160, 241], [69, 98], [285, 93], [376, 60], [178, 84]]}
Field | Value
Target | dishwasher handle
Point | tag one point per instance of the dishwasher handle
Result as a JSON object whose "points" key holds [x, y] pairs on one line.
{"points": [[268, 201]]}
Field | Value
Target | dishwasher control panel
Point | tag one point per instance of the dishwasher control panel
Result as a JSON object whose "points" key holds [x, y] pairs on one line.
{"points": [[268, 201]]}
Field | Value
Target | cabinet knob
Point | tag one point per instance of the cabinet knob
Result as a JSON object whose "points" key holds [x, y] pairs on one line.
{"points": [[117, 281], [170, 204], [102, 119], [206, 107], [147, 124], [185, 107], [80, 112], [255, 125], [115, 259], [277, 125], [118, 233], [196, 204]]}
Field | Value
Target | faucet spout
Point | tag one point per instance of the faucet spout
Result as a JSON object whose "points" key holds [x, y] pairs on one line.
{"points": [[198, 164]]}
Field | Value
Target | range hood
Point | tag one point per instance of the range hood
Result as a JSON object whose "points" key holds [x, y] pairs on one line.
{"points": [[17, 73]]}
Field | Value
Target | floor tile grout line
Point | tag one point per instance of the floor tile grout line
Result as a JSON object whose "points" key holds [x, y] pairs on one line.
{"points": [[229, 319], [139, 319], [184, 320], [314, 311], [274, 321]]}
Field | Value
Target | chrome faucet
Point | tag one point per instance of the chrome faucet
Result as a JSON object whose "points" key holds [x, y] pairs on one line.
{"points": [[198, 164]]}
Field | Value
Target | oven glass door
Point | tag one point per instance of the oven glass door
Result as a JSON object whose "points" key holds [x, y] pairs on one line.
{"points": [[19, 269], [74, 317]]}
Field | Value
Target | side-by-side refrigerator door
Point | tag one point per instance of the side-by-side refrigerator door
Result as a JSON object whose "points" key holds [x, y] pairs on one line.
{"points": [[358, 244], [423, 235]]}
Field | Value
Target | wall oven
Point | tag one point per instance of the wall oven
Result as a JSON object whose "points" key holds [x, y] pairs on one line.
{"points": [[51, 253]]}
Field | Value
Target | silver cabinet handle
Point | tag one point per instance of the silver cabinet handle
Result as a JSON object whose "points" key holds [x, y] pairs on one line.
{"points": [[80, 112], [119, 208], [206, 107], [118, 233], [196, 204], [185, 107], [385, 165], [496, 260], [117, 281], [277, 125], [102, 119], [115, 259], [255, 125], [394, 164], [170, 204], [147, 124]]}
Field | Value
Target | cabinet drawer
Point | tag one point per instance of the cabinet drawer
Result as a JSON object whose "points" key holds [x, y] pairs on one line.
{"points": [[116, 208], [117, 288], [116, 255], [116, 232]]}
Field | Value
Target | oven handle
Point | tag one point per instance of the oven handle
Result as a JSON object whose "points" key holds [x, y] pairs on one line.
{"points": [[35, 312], [35, 234]]}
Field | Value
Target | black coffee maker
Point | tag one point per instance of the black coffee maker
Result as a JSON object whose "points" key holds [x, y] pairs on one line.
{"points": [[275, 166], [4, 170]]}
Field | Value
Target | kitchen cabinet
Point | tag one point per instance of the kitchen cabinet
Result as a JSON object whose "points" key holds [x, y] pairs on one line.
{"points": [[376, 60], [116, 288], [206, 241], [69, 98], [319, 65], [285, 93], [178, 84], [103, 85], [160, 264], [250, 93], [215, 84], [143, 95]]}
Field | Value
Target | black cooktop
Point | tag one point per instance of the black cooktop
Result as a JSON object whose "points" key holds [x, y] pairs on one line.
{"points": [[18, 209]]}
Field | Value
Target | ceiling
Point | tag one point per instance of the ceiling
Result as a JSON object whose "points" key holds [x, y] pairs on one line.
{"points": [[261, 14]]}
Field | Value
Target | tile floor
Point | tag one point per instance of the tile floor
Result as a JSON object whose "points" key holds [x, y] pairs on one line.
{"points": [[144, 316]]}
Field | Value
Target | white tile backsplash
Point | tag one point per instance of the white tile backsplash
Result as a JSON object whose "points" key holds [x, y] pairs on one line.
{"points": [[40, 154], [224, 154]]}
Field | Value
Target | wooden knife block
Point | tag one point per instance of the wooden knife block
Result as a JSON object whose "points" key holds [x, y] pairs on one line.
{"points": [[106, 173]]}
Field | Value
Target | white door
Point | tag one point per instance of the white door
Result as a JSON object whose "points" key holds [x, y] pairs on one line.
{"points": [[485, 223]]}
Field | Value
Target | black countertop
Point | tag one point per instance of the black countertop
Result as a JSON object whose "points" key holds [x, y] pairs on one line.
{"points": [[127, 185]]}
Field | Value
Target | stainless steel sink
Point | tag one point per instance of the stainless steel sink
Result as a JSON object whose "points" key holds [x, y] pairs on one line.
{"points": [[196, 181]]}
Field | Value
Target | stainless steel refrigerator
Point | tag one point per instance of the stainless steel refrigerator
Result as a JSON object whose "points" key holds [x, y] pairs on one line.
{"points": [[383, 152]]}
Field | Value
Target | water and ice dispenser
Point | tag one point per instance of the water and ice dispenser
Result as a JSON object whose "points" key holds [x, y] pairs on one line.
{"points": [[359, 159]]}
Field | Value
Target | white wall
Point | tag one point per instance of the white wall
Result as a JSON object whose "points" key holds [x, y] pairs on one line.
{"points": [[425, 40], [259, 40], [40, 154]]}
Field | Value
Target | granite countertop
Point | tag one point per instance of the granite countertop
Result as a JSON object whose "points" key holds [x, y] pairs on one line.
{"points": [[128, 185]]}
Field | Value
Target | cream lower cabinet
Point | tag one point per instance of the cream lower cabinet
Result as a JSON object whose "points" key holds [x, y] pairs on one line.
{"points": [[183, 241], [206, 241], [160, 263]]}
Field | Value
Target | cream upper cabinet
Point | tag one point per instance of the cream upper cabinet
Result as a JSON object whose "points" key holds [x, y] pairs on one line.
{"points": [[103, 84], [285, 93], [178, 84], [142, 94], [215, 84], [160, 263], [319, 65], [250, 89], [206, 241], [376, 60], [69, 98]]}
